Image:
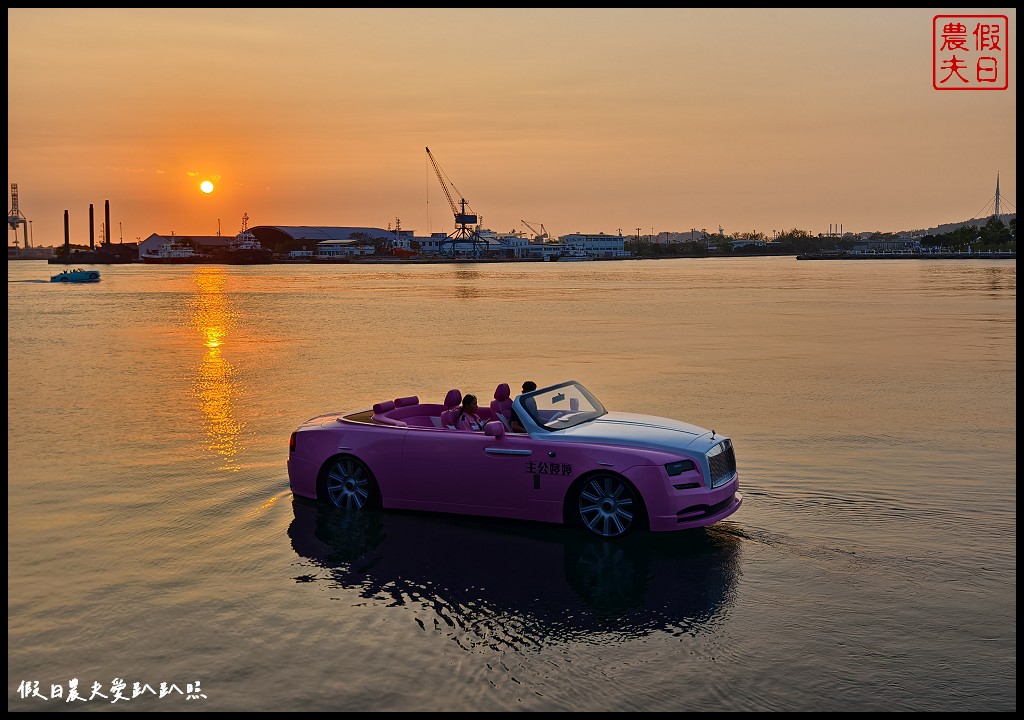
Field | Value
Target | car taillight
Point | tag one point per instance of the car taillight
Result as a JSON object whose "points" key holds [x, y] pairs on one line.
{"points": [[291, 443]]}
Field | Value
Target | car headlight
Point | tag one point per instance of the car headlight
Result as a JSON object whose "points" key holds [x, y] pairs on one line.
{"points": [[679, 467]]}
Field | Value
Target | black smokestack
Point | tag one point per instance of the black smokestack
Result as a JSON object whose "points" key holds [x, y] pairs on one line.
{"points": [[67, 238], [106, 211], [92, 234]]}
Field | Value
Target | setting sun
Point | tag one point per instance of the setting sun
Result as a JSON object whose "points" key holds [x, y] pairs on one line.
{"points": [[206, 186]]}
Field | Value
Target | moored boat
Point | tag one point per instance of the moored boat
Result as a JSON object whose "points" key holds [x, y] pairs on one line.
{"points": [[173, 253], [245, 249]]}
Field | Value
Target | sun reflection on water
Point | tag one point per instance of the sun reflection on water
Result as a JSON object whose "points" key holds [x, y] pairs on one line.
{"points": [[215, 386]]}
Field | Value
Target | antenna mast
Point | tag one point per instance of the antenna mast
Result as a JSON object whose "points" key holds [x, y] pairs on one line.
{"points": [[997, 196]]}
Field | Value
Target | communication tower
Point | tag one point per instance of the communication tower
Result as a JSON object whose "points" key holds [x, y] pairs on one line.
{"points": [[997, 197]]}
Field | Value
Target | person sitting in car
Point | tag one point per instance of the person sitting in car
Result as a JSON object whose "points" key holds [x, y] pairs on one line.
{"points": [[467, 418]]}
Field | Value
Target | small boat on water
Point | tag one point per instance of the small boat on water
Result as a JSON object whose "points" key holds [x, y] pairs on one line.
{"points": [[78, 275]]}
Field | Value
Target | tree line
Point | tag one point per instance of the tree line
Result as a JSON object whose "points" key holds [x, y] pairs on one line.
{"points": [[993, 235]]}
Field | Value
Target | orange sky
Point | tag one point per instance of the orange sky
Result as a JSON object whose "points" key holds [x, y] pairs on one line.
{"points": [[580, 120]]}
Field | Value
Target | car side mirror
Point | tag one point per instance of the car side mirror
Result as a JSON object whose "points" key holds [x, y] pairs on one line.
{"points": [[495, 429]]}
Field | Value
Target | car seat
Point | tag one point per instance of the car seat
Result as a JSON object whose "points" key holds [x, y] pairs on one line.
{"points": [[451, 408], [501, 405]]}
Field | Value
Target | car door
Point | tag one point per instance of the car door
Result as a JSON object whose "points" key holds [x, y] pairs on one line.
{"points": [[462, 470]]}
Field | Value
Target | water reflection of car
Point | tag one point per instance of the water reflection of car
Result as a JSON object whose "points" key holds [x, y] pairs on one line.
{"points": [[554, 583], [577, 463]]}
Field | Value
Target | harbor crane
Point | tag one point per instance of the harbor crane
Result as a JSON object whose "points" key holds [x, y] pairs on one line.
{"points": [[464, 221], [16, 218], [538, 235]]}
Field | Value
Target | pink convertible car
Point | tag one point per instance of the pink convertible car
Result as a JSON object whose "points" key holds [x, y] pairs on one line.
{"points": [[576, 463]]}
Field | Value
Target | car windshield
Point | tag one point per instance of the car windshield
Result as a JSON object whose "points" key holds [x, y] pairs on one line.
{"points": [[562, 406]]}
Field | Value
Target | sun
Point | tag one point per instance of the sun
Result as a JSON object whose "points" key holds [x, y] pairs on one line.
{"points": [[206, 186]]}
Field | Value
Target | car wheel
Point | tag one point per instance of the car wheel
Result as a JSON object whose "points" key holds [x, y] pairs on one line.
{"points": [[348, 484], [608, 506]]}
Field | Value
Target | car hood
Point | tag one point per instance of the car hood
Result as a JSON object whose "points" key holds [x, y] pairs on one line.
{"points": [[635, 430]]}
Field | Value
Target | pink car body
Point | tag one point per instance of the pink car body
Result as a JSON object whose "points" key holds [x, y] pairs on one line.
{"points": [[576, 463]]}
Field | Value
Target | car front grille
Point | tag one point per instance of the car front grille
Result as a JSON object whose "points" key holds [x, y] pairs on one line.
{"points": [[722, 460]]}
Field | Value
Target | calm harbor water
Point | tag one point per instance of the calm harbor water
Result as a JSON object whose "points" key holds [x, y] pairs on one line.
{"points": [[153, 540]]}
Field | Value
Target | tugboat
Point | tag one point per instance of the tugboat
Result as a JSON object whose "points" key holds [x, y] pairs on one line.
{"points": [[174, 253], [245, 249]]}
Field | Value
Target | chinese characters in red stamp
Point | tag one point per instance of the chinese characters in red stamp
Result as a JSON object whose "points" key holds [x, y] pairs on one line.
{"points": [[969, 52]]}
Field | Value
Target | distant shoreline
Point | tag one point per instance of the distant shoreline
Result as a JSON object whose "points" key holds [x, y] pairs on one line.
{"points": [[385, 260], [910, 256]]}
